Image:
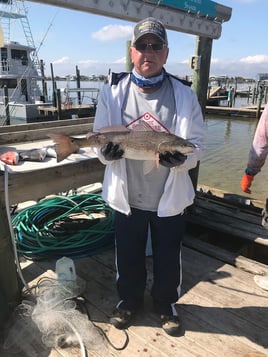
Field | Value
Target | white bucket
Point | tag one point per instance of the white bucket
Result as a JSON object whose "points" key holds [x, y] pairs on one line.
{"points": [[65, 271]]}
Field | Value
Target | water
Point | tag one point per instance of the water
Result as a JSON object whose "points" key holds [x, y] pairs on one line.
{"points": [[228, 141]]}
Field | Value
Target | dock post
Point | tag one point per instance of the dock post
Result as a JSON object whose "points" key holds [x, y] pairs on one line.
{"points": [[9, 284], [54, 86], [261, 90], [59, 111], [44, 84], [6, 103], [129, 64], [200, 83], [201, 75], [78, 85]]}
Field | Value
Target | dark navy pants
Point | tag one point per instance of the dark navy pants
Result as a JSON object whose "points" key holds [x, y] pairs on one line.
{"points": [[131, 233]]}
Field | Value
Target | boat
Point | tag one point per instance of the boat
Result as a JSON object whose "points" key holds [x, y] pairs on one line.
{"points": [[20, 68], [21, 74]]}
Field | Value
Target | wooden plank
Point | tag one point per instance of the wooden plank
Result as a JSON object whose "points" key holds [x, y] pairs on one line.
{"points": [[223, 255], [231, 211], [47, 124], [33, 135], [228, 316], [228, 218], [33, 185], [235, 199]]}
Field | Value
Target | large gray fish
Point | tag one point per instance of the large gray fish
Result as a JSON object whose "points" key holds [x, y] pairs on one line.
{"points": [[137, 145]]}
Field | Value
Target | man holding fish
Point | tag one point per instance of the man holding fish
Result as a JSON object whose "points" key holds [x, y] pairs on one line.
{"points": [[149, 194]]}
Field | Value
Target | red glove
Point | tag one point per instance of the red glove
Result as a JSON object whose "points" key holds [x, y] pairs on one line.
{"points": [[10, 157], [246, 183]]}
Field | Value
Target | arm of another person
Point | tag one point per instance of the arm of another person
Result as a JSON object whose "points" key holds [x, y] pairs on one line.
{"points": [[258, 152]]}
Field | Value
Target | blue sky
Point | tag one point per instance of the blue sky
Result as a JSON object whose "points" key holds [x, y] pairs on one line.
{"points": [[95, 43]]}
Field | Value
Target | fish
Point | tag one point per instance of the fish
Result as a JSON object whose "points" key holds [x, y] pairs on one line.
{"points": [[137, 145], [33, 154]]}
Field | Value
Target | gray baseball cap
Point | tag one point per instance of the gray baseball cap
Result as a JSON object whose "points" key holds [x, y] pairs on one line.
{"points": [[150, 25]]}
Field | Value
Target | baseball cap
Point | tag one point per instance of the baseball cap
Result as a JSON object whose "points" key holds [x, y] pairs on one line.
{"points": [[150, 25]]}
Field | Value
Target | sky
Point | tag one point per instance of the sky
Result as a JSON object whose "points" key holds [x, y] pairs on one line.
{"points": [[97, 44]]}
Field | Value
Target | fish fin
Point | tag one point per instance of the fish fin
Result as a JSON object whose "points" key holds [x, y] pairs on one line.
{"points": [[114, 128], [64, 145], [90, 134], [148, 166]]}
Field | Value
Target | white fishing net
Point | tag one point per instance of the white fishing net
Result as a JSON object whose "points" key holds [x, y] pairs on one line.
{"points": [[55, 319]]}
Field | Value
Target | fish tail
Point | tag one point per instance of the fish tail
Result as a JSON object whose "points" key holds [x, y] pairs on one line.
{"points": [[64, 145]]}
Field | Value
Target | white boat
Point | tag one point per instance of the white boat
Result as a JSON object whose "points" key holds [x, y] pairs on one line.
{"points": [[20, 68]]}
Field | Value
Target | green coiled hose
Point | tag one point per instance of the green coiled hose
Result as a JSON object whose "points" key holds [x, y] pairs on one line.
{"points": [[75, 226]]}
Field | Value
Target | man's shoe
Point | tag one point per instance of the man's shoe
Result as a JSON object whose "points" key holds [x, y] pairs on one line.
{"points": [[121, 318], [170, 324]]}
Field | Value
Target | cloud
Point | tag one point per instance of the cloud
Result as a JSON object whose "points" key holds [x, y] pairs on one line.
{"points": [[257, 59], [113, 32], [62, 60], [121, 60]]}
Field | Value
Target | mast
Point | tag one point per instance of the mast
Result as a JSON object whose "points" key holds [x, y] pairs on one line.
{"points": [[12, 11]]}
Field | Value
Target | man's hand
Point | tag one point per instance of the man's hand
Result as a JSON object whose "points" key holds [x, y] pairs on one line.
{"points": [[112, 151], [245, 183], [172, 159]]}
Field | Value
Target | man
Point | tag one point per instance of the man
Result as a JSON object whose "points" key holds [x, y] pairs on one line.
{"points": [[148, 96]]}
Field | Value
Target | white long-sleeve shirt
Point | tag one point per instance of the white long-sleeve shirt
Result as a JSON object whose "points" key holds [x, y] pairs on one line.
{"points": [[178, 191]]}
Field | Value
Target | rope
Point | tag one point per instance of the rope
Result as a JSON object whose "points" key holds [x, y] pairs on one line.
{"points": [[74, 226]]}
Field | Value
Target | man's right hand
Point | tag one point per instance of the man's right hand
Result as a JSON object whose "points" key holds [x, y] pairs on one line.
{"points": [[112, 151]]}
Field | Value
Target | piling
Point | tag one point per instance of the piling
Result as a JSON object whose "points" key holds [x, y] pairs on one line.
{"points": [[200, 83], [129, 64], [6, 103], [78, 84]]}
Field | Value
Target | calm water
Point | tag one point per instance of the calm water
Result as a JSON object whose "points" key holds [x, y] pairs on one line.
{"points": [[228, 143]]}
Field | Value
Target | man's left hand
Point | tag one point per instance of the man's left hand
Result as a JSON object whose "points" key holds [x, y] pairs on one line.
{"points": [[169, 159]]}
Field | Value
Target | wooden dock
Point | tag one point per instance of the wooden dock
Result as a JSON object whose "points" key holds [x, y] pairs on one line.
{"points": [[222, 311], [232, 111]]}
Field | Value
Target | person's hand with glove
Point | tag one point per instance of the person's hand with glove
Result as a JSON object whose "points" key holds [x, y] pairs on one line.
{"points": [[246, 181], [112, 151], [170, 160]]}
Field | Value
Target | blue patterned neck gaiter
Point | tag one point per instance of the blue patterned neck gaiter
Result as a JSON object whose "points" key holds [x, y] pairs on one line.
{"points": [[151, 82]]}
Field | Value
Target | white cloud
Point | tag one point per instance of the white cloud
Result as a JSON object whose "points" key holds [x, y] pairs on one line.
{"points": [[121, 60], [62, 60], [255, 59], [113, 32], [216, 60]]}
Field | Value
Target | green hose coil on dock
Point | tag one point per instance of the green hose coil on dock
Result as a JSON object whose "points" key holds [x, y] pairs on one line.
{"points": [[75, 226]]}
